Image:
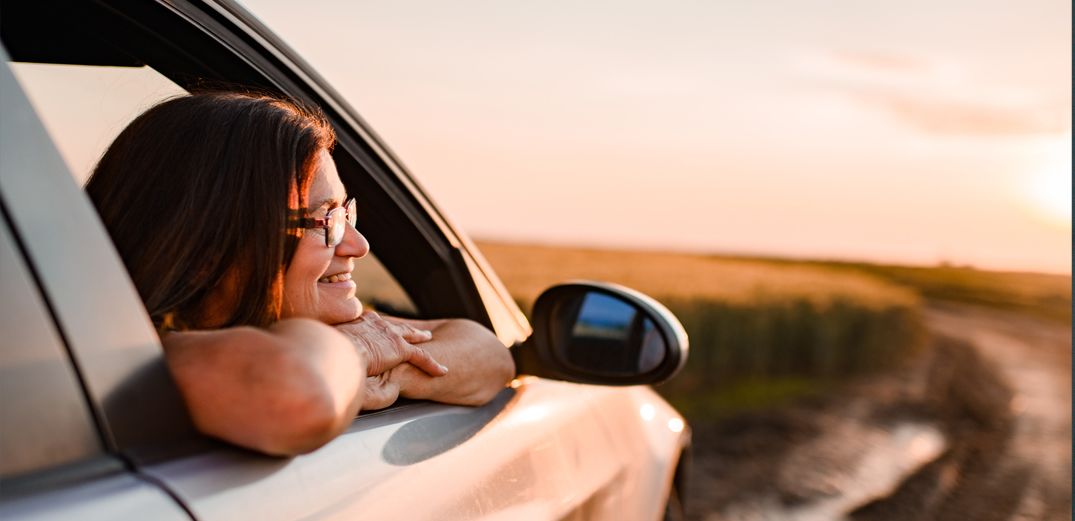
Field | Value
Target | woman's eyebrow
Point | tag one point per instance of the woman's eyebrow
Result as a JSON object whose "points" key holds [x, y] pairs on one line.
{"points": [[323, 203]]}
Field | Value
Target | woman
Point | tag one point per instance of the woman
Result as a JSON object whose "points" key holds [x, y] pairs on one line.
{"points": [[236, 229]]}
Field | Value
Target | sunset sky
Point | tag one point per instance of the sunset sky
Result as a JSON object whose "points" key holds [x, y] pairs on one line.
{"points": [[913, 132]]}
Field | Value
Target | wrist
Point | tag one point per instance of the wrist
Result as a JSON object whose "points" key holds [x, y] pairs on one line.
{"points": [[412, 382], [361, 347]]}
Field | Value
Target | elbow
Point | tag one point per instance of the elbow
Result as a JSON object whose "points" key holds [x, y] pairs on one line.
{"points": [[282, 392], [300, 423], [307, 425], [295, 412], [314, 397]]}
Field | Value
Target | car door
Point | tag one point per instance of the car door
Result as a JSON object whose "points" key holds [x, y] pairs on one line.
{"points": [[542, 449], [54, 457]]}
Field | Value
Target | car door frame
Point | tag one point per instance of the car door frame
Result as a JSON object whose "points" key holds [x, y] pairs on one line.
{"points": [[100, 485], [199, 44]]}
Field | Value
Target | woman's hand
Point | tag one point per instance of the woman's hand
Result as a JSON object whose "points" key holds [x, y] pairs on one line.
{"points": [[382, 390], [388, 344], [481, 365]]}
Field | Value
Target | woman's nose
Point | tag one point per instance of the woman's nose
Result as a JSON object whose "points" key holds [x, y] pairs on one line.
{"points": [[354, 244]]}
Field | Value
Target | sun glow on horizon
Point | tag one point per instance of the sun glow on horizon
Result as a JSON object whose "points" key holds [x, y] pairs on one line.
{"points": [[1050, 189]]}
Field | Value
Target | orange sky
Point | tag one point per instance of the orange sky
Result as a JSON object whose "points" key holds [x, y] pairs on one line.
{"points": [[893, 131]]}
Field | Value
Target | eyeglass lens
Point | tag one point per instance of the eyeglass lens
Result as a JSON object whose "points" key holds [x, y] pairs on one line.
{"points": [[338, 219]]}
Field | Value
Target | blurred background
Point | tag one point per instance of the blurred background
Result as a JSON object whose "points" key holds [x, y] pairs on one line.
{"points": [[860, 211]]}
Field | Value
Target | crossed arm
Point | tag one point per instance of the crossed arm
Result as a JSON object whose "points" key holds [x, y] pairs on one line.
{"points": [[480, 365], [296, 385]]}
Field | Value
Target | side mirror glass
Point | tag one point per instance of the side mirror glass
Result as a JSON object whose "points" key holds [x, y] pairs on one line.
{"points": [[604, 334], [592, 332]]}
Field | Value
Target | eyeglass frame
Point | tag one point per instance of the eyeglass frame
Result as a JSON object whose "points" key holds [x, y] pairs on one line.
{"points": [[350, 215]]}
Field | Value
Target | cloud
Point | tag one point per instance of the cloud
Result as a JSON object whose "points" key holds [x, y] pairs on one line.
{"points": [[935, 96], [971, 117], [881, 61]]}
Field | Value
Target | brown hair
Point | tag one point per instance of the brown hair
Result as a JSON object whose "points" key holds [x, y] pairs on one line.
{"points": [[198, 192]]}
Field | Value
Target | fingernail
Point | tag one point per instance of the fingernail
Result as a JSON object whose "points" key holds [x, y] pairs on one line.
{"points": [[427, 334], [443, 368]]}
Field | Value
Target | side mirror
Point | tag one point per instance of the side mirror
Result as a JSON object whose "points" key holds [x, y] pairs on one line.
{"points": [[600, 333]]}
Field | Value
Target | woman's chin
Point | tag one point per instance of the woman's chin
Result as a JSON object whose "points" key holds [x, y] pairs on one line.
{"points": [[342, 312]]}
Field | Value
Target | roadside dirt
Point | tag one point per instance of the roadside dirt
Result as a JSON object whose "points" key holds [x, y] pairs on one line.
{"points": [[978, 426]]}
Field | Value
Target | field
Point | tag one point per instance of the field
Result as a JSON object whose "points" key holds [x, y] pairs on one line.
{"points": [[1036, 294], [765, 331]]}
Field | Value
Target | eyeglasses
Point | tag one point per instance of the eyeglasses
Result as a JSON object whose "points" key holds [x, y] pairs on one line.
{"points": [[335, 222]]}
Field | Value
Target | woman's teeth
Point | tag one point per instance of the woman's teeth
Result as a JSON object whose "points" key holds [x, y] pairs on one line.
{"points": [[339, 277]]}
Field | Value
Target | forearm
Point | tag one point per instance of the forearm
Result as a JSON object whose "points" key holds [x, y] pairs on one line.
{"points": [[326, 365], [283, 390], [478, 364]]}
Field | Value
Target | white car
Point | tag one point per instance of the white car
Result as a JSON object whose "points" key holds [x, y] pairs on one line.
{"points": [[92, 427]]}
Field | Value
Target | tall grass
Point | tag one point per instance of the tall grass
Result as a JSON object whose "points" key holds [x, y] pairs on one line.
{"points": [[760, 332], [751, 355], [1037, 294]]}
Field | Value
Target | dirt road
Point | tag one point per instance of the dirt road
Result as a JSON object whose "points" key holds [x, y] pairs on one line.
{"points": [[1028, 475], [978, 427]]}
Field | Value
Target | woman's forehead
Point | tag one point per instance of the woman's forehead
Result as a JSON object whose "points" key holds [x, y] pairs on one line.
{"points": [[326, 187]]}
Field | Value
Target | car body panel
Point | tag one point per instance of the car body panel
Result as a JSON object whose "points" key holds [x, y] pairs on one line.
{"points": [[38, 200], [120, 496], [65, 243], [548, 449]]}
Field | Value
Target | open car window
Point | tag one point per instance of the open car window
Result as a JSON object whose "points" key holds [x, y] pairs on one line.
{"points": [[147, 51], [196, 48], [84, 108]]}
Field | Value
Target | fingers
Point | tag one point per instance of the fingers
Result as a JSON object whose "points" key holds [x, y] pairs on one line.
{"points": [[380, 392], [409, 332], [413, 334], [389, 344], [421, 359]]}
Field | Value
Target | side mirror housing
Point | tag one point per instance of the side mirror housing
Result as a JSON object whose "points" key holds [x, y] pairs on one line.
{"points": [[601, 333]]}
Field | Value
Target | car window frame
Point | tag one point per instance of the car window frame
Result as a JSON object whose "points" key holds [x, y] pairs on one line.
{"points": [[489, 301], [101, 482], [447, 282], [49, 471], [364, 162]]}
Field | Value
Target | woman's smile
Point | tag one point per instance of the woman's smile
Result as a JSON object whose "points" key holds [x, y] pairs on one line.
{"points": [[339, 280]]}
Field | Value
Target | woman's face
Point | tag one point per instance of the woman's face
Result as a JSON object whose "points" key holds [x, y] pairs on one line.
{"points": [[318, 283]]}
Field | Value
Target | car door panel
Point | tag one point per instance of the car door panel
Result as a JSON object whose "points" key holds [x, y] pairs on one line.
{"points": [[539, 449], [122, 496], [648, 437], [96, 307], [55, 464]]}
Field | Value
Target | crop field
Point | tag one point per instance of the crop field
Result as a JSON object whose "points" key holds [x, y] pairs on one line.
{"points": [[1040, 295], [764, 331]]}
